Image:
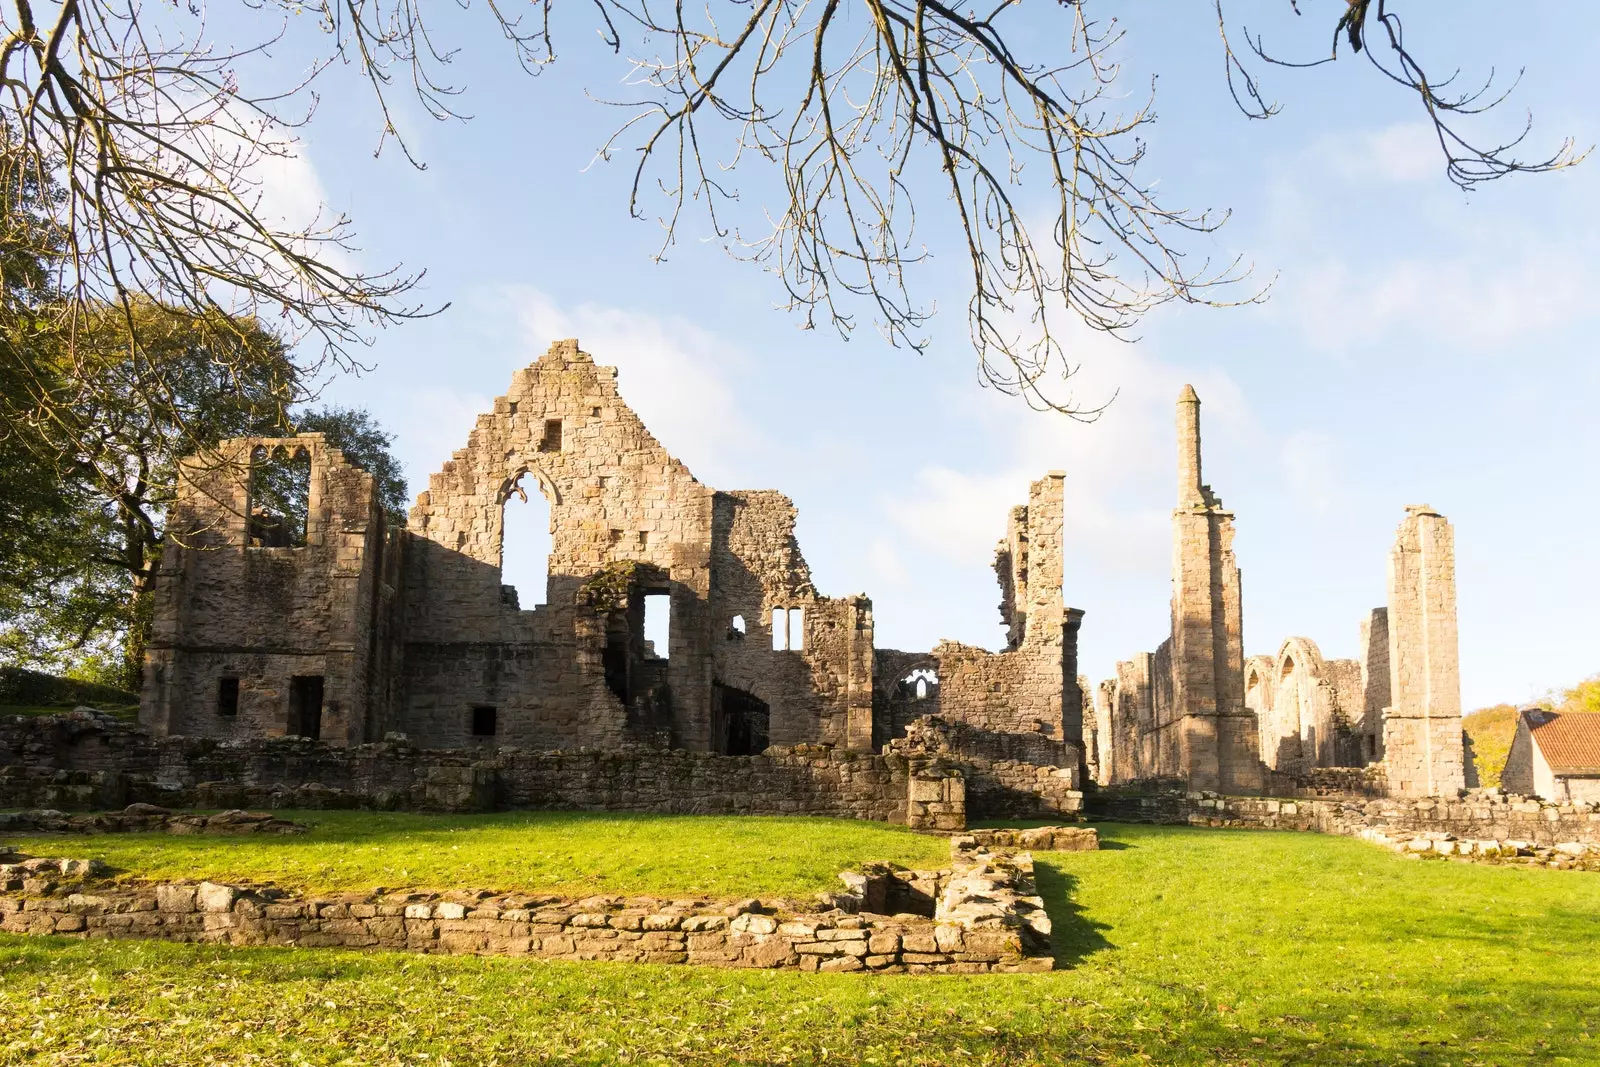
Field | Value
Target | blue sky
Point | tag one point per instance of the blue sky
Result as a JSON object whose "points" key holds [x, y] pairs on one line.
{"points": [[1419, 345]]}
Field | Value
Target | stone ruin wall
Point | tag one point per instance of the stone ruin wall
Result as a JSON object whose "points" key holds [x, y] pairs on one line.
{"points": [[1030, 688], [616, 497], [981, 914], [1197, 712], [413, 632], [84, 761], [1475, 816], [265, 615], [1180, 712]]}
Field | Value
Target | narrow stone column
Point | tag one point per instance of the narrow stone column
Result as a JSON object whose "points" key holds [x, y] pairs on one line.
{"points": [[1422, 742], [1218, 747]]}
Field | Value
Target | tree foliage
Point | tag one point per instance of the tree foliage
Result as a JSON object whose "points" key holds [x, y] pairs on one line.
{"points": [[364, 443]]}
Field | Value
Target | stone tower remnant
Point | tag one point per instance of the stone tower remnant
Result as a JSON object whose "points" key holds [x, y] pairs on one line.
{"points": [[1422, 725], [1217, 735]]}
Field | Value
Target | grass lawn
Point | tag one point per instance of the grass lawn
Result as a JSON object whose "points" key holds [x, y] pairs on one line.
{"points": [[563, 852], [1182, 946]]}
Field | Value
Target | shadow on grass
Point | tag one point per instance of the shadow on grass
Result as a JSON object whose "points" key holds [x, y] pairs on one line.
{"points": [[1074, 935]]}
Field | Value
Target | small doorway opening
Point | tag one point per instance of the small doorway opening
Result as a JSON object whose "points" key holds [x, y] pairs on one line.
{"points": [[305, 706], [742, 722]]}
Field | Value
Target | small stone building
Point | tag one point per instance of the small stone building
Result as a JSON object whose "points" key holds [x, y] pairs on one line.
{"points": [[1555, 756], [338, 626]]}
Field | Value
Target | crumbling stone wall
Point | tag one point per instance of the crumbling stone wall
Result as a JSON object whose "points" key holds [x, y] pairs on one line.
{"points": [[1198, 712], [414, 633], [981, 914], [1005, 775], [237, 618], [1031, 687], [618, 929], [1476, 816], [84, 761]]}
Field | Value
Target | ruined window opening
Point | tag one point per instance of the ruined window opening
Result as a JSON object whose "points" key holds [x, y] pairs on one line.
{"points": [[736, 625], [552, 436], [280, 497], [594, 412], [511, 408], [525, 543], [485, 720], [305, 706], [741, 722], [788, 629], [657, 624], [227, 696], [780, 630], [616, 537], [921, 683]]}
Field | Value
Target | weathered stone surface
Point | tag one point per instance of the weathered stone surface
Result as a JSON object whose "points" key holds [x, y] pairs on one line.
{"points": [[253, 620], [1196, 714], [1496, 819], [595, 928]]}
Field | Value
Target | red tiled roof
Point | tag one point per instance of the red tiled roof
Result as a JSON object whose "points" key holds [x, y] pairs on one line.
{"points": [[1569, 740]]}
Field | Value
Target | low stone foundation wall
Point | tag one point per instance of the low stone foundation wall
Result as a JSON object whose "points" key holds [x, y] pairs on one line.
{"points": [[988, 918], [1040, 838], [1477, 816], [86, 761]]}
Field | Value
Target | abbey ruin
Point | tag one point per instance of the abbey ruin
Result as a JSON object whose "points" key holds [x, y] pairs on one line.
{"points": [[351, 630]]}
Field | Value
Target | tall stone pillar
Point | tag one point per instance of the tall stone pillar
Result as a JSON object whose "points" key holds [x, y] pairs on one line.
{"points": [[1422, 745], [1218, 746]]}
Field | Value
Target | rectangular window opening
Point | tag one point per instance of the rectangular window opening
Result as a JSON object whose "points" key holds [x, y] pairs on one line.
{"points": [[780, 630], [485, 720], [305, 706], [658, 625], [228, 696], [552, 436], [797, 629]]}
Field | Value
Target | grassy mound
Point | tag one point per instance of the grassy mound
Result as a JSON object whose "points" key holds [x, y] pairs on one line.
{"points": [[1185, 947], [558, 852]]}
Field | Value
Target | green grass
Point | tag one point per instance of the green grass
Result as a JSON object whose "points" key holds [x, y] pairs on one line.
{"points": [[546, 851], [1183, 947]]}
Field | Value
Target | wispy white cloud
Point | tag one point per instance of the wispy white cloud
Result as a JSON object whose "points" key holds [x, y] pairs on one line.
{"points": [[1403, 152], [1482, 300], [1119, 469]]}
